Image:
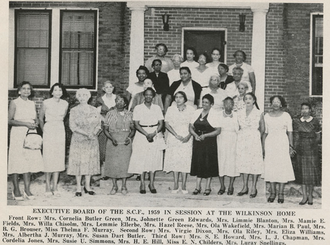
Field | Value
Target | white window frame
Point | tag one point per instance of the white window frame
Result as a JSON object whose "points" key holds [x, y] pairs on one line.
{"points": [[311, 53], [55, 47], [204, 29]]}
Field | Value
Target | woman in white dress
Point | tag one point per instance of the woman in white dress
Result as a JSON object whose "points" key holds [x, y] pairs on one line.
{"points": [[141, 73], [179, 142], [51, 116], [190, 59], [218, 93], [147, 148], [278, 145], [174, 74], [22, 116], [249, 159], [239, 99], [202, 73], [216, 55], [227, 146], [248, 72]]}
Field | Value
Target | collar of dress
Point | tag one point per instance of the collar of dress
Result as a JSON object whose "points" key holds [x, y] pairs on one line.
{"points": [[306, 120]]}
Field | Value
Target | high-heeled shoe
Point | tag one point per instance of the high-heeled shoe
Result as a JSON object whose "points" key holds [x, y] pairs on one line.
{"points": [[272, 197], [207, 192], [196, 191], [28, 197], [310, 202], [241, 193], [230, 192], [303, 202], [153, 191], [280, 198], [142, 190], [113, 190], [221, 191], [124, 190], [20, 198], [253, 195], [89, 192], [78, 194]]}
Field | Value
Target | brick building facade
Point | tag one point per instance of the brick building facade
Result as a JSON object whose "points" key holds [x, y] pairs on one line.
{"points": [[287, 42]]}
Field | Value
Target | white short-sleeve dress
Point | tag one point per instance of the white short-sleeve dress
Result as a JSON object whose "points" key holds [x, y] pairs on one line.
{"points": [[146, 156], [227, 142], [278, 166], [178, 154], [249, 158]]}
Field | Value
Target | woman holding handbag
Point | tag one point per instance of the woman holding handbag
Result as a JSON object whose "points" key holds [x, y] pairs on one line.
{"points": [[22, 117], [51, 117]]}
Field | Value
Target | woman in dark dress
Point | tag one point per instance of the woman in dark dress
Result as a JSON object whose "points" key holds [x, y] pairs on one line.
{"points": [[307, 168], [205, 127]]}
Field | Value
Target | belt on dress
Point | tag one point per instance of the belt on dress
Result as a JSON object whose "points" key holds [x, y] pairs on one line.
{"points": [[149, 126]]}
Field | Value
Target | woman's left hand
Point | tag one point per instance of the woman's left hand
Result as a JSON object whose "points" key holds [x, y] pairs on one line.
{"points": [[202, 137], [127, 141], [91, 136], [292, 152]]}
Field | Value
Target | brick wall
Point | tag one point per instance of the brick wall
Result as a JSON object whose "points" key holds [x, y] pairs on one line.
{"points": [[287, 42], [297, 63], [194, 17]]}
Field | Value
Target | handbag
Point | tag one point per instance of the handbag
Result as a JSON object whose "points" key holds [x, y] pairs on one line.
{"points": [[33, 140]]}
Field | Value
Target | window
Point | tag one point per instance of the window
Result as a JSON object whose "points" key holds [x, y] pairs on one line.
{"points": [[316, 54], [78, 48], [32, 47], [53, 45]]}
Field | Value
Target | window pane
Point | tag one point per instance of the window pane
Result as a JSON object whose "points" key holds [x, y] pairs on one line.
{"points": [[32, 47], [32, 65], [78, 48]]}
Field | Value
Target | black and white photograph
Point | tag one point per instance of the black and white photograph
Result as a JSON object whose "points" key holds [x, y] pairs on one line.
{"points": [[164, 122]]}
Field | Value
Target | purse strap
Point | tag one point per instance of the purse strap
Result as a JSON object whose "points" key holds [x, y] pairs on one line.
{"points": [[28, 132]]}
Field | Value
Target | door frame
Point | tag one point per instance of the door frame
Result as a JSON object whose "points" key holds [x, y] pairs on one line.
{"points": [[204, 29]]}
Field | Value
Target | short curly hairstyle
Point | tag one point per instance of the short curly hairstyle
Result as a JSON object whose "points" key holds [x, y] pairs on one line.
{"points": [[283, 103]]}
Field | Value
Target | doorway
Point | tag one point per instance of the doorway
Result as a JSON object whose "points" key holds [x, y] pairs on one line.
{"points": [[204, 40]]}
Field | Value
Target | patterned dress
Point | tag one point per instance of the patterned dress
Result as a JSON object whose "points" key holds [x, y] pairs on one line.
{"points": [[117, 157], [178, 154], [105, 105], [54, 135], [278, 166], [307, 168], [84, 158], [249, 151], [21, 160]]}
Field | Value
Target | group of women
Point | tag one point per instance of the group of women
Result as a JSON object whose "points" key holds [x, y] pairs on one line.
{"points": [[208, 129]]}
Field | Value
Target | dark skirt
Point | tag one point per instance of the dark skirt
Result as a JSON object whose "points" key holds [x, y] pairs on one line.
{"points": [[204, 162], [307, 167]]}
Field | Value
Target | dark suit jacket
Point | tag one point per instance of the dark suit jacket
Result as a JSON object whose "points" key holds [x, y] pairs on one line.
{"points": [[161, 83], [196, 87]]}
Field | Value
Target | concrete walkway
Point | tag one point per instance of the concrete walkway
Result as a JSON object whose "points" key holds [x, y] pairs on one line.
{"points": [[163, 198]]}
